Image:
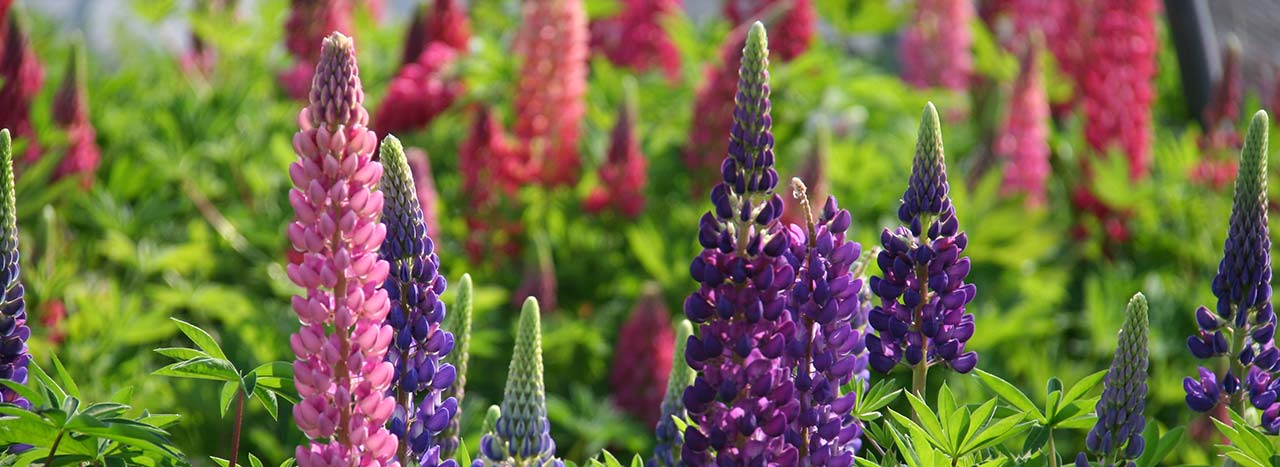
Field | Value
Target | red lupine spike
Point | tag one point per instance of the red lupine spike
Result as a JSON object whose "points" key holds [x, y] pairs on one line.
{"points": [[487, 161], [790, 23], [636, 39], [1060, 23], [713, 107], [309, 22], [420, 92], [1023, 140], [1117, 88], [23, 76], [642, 360], [550, 96], [936, 47], [71, 113], [623, 175], [1220, 141], [446, 22]]}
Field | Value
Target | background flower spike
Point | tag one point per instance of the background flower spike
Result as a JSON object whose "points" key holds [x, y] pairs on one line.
{"points": [[14, 354], [669, 440], [1117, 435]]}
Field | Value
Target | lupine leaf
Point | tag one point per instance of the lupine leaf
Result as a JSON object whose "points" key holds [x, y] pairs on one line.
{"points": [[227, 394], [1009, 393], [254, 461], [64, 377], [268, 400], [180, 353], [26, 392], [201, 338], [201, 368], [1083, 386], [928, 420]]}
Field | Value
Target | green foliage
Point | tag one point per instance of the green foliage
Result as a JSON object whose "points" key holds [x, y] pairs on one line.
{"points": [[953, 433], [267, 383], [63, 429], [1248, 446]]}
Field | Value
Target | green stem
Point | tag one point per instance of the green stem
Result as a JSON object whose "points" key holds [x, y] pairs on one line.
{"points": [[235, 430], [1241, 402], [920, 378], [1053, 451], [54, 449]]}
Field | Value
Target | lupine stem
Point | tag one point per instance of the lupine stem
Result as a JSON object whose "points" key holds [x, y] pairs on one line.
{"points": [[235, 429], [54, 449], [1053, 450]]}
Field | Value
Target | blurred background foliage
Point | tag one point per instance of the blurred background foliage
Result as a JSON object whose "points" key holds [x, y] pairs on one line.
{"points": [[187, 215]]}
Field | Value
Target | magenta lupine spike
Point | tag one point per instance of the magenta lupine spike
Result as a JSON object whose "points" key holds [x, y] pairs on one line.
{"points": [[1023, 141], [71, 113], [341, 376], [1118, 89], [935, 49], [551, 90], [636, 39], [23, 76]]}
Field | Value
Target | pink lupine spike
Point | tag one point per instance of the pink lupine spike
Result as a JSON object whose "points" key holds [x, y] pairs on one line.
{"points": [[635, 38], [935, 49], [71, 113], [1023, 140], [623, 174], [341, 410], [550, 95], [23, 76], [421, 90], [444, 22]]}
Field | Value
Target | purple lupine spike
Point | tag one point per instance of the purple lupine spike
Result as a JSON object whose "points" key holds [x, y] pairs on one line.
{"points": [[922, 318], [1243, 289], [414, 286], [14, 355], [742, 400], [1117, 435], [829, 348]]}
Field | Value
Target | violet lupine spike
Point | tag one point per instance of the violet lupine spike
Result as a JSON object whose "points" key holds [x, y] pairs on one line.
{"points": [[1243, 326], [829, 348], [921, 319], [14, 332], [743, 399], [414, 286], [1117, 436], [342, 375], [459, 323], [520, 435]]}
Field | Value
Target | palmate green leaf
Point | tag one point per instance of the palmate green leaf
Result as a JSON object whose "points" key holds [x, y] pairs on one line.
{"points": [[993, 434], [55, 392], [928, 420], [201, 368], [1083, 386], [64, 377], [180, 353], [905, 422], [872, 400], [1159, 446], [981, 416], [1010, 394], [132, 435], [276, 376], [24, 426], [1052, 400], [201, 338], [948, 416]]}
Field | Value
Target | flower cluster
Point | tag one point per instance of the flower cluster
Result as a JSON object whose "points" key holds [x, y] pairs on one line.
{"points": [[922, 316], [550, 97], [426, 84], [521, 436], [1242, 328], [491, 173], [23, 76], [420, 91], [642, 361], [742, 400], [445, 23], [1117, 435], [71, 112], [457, 322], [420, 165], [1059, 24], [341, 371], [635, 38], [792, 23], [14, 332], [827, 306], [669, 439], [414, 286], [935, 49], [623, 175], [1023, 141], [308, 23], [1220, 139], [1117, 87]]}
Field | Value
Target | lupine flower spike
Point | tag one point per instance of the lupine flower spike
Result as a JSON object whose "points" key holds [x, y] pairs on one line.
{"points": [[743, 400], [71, 113], [1116, 439], [23, 76], [342, 375], [829, 346], [414, 286], [458, 322], [445, 22], [636, 39], [1118, 88], [623, 174], [14, 332], [921, 319], [521, 435], [666, 451], [642, 360], [551, 93], [1243, 326], [935, 49], [1023, 142]]}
